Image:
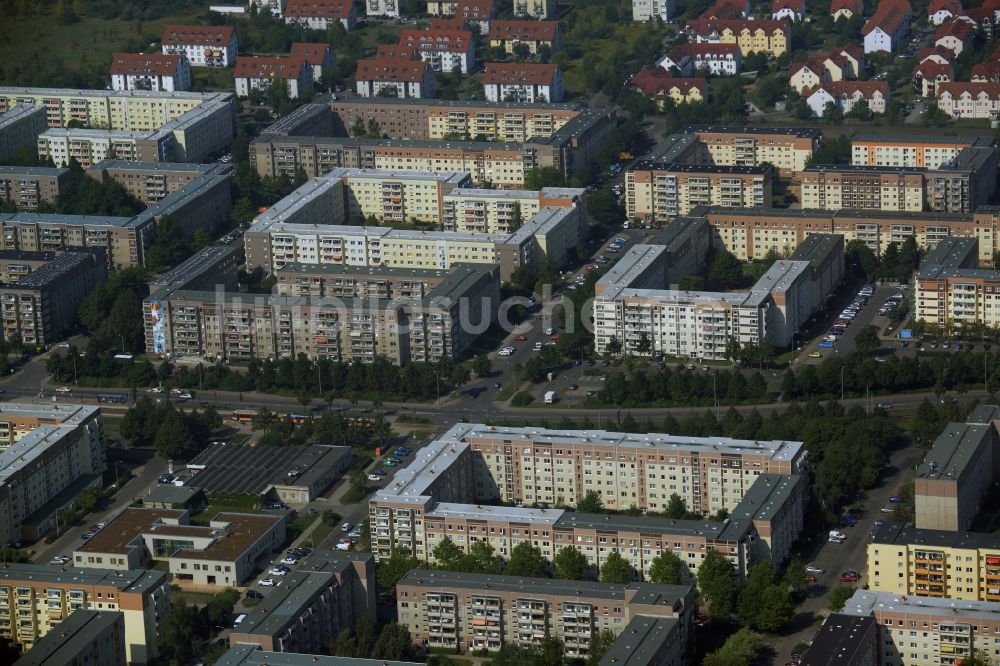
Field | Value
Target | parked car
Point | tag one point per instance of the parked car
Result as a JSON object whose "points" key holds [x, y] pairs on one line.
{"points": [[60, 560], [347, 527], [266, 582], [374, 477], [814, 569], [895, 499], [849, 578]]}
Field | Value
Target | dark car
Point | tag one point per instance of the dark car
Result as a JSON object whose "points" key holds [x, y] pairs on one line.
{"points": [[848, 521]]}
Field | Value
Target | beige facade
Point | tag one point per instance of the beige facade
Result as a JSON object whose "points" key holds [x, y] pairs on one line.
{"points": [[473, 612], [835, 187], [19, 129], [493, 211], [125, 239], [150, 182], [928, 151], [951, 292], [26, 187], [660, 190], [36, 599], [787, 149]]}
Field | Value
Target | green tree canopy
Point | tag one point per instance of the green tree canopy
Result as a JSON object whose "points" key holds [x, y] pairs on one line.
{"points": [[571, 564], [717, 582], [668, 569], [616, 569], [527, 560]]}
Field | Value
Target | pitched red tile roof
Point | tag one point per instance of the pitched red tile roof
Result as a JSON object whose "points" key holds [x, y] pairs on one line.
{"points": [[932, 70], [977, 15], [437, 40], [848, 88], [514, 73], [145, 64], [990, 71], [888, 16], [525, 31], [658, 82], [338, 9], [727, 9], [269, 67], [391, 70], [446, 24], [924, 54], [797, 6], [705, 49], [395, 52], [953, 6], [214, 35], [314, 54], [854, 6], [705, 26], [961, 30], [814, 65], [975, 88], [854, 51]]}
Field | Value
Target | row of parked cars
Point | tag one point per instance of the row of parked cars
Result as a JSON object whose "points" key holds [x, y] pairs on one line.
{"points": [[291, 558], [850, 312], [890, 304]]}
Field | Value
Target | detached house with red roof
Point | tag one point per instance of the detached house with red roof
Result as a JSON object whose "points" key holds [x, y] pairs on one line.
{"points": [[508, 34], [954, 35], [155, 71], [793, 10], [318, 56], [838, 65], [939, 11], [846, 94], [929, 74], [202, 45], [321, 14], [395, 72], [962, 99], [688, 59], [846, 9], [659, 85], [443, 50], [260, 72], [936, 54], [522, 82], [890, 24]]}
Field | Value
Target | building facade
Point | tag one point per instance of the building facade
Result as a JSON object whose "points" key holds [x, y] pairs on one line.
{"points": [[522, 83], [156, 72], [26, 187], [258, 73], [659, 191], [839, 186], [201, 45], [19, 129]]}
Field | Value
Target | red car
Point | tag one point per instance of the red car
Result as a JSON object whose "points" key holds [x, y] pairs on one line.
{"points": [[701, 618], [555, 337], [521, 338], [811, 578], [849, 578]]}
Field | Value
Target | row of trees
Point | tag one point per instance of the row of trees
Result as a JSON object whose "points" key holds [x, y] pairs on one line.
{"points": [[175, 434], [392, 642], [763, 603], [682, 387], [185, 633]]}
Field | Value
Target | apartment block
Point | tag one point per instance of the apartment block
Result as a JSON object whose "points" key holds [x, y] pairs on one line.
{"points": [[258, 73], [649, 10], [336, 591], [825, 254], [230, 326], [934, 563], [443, 50], [43, 305], [88, 146], [204, 203], [41, 598], [962, 99], [85, 638], [311, 119], [536, 9], [26, 187], [839, 186], [225, 553], [951, 292], [52, 452], [912, 631], [319, 57], [156, 72], [788, 149], [533, 34], [201, 45], [243, 654], [524, 83], [150, 182], [468, 210], [124, 239], [964, 183], [19, 129], [321, 14], [660, 190], [472, 612], [16, 265], [921, 150], [382, 8], [844, 640], [206, 270]]}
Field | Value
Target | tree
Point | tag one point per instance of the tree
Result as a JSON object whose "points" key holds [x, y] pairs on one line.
{"points": [[616, 569], [526, 560], [591, 503], [691, 283], [867, 341], [179, 638], [481, 559], [87, 499], [220, 607], [482, 366], [570, 564], [447, 555], [726, 271], [390, 571], [540, 177], [839, 596], [717, 582], [776, 609], [751, 597], [516, 219], [676, 507], [614, 347], [394, 643], [738, 650], [795, 577], [599, 646], [668, 569]]}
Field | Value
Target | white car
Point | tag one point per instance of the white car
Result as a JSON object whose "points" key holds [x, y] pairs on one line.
{"points": [[347, 527], [290, 561], [155, 389], [267, 582], [278, 571], [374, 477], [60, 560], [813, 569], [63, 389], [355, 533], [184, 396], [343, 546]]}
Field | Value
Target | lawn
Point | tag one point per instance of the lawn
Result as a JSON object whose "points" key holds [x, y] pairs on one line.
{"points": [[204, 517]]}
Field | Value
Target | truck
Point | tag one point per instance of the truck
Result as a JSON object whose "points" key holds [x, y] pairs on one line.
{"points": [[550, 397]]}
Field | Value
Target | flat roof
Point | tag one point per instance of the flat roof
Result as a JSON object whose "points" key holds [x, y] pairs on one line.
{"points": [[673, 147], [803, 132], [954, 257], [953, 449], [816, 247], [168, 493], [641, 641], [866, 602], [17, 114], [781, 275], [514, 514], [898, 534], [51, 172], [72, 220], [968, 139], [411, 483], [643, 524], [361, 271], [447, 103], [447, 177], [137, 581], [766, 496], [864, 168], [79, 92], [247, 654], [206, 259], [840, 641], [240, 468], [64, 263], [63, 644], [650, 165], [25, 451], [633, 264], [167, 167]]}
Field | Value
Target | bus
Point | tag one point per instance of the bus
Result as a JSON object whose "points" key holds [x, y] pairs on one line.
{"points": [[113, 398], [248, 416]]}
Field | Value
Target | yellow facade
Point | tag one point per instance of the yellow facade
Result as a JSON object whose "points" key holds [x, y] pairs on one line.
{"points": [[970, 572], [756, 40]]}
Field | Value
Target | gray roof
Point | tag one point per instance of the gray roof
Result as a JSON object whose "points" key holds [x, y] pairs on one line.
{"points": [[843, 640], [131, 580], [651, 165], [767, 495], [900, 534], [953, 449], [194, 267], [245, 654], [971, 140], [816, 247], [803, 132], [167, 167], [72, 220], [65, 643], [645, 524], [65, 262], [866, 602], [52, 172], [640, 642], [955, 258], [240, 468], [864, 169], [166, 493]]}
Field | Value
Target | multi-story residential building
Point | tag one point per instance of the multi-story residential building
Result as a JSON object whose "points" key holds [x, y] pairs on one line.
{"points": [[403, 78], [986, 72], [705, 58], [760, 36], [388, 8], [650, 10], [85, 638], [928, 74], [443, 50], [934, 563], [522, 83], [321, 14], [825, 254], [536, 9], [208, 268], [19, 129], [960, 99], [258, 73], [838, 186], [201, 45], [16, 265], [319, 57], [793, 10], [846, 94], [156, 72], [465, 12], [245, 654], [951, 292], [939, 11], [954, 35], [36, 599], [660, 190], [89, 146], [844, 639], [496, 211], [26, 187], [335, 592], [929, 151], [533, 34], [787, 149], [43, 305], [659, 85], [887, 26], [441, 324], [204, 203], [151, 182], [125, 239], [839, 65], [963, 183], [43, 469], [225, 553], [472, 612], [958, 471], [361, 282]]}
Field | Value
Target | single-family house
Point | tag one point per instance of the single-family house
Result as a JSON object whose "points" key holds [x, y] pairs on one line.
{"points": [[939, 11], [792, 10], [888, 25], [954, 35], [846, 9]]}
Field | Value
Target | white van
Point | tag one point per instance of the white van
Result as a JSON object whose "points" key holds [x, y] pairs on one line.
{"points": [[239, 618]]}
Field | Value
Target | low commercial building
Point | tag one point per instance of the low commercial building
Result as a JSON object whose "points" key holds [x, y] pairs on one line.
{"points": [[125, 239], [659, 191], [206, 270], [443, 50], [471, 612], [43, 305], [934, 563], [844, 640], [951, 293], [321, 14], [150, 182], [839, 186], [19, 129], [913, 631], [38, 599], [85, 638], [508, 35], [958, 472], [270, 473], [169, 496], [201, 45], [522, 82], [336, 591], [156, 72], [225, 553], [26, 187], [258, 73]]}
